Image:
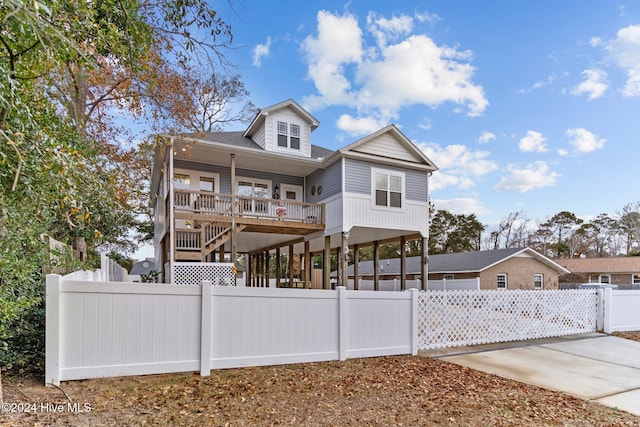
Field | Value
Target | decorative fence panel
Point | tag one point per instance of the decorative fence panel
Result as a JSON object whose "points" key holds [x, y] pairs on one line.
{"points": [[193, 273], [458, 318]]}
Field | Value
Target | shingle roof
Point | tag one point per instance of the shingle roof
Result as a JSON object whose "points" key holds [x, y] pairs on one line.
{"points": [[441, 263], [237, 139], [602, 265]]}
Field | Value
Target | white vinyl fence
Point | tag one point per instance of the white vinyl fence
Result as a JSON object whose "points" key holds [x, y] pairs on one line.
{"points": [[98, 329], [459, 318], [621, 310]]}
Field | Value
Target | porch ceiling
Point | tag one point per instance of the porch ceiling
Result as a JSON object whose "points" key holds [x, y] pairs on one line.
{"points": [[246, 158]]}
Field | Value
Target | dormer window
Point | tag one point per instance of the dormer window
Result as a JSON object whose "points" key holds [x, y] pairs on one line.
{"points": [[288, 135]]}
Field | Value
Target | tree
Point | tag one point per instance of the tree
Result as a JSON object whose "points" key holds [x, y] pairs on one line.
{"points": [[450, 233], [561, 225], [63, 67], [629, 225], [510, 232]]}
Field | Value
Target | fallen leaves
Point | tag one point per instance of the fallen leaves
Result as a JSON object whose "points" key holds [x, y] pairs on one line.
{"points": [[401, 390]]}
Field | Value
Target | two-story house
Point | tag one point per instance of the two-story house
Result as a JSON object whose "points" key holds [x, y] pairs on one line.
{"points": [[270, 194]]}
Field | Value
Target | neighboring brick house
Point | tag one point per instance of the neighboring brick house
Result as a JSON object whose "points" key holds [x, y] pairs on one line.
{"points": [[616, 271], [513, 268]]}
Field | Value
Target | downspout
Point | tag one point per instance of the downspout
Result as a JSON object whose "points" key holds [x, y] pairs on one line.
{"points": [[172, 221], [234, 234]]}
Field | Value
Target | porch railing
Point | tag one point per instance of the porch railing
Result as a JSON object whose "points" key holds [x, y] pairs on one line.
{"points": [[254, 207]]}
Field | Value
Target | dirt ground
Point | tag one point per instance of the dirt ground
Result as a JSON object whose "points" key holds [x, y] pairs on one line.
{"points": [[402, 390]]}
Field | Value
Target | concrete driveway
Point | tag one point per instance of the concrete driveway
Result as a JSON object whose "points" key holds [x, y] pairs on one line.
{"points": [[596, 367]]}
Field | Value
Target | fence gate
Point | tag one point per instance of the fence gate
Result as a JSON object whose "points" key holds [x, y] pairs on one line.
{"points": [[458, 318]]}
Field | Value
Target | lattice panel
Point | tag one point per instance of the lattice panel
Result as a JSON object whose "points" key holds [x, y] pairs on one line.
{"points": [[458, 318], [187, 273]]}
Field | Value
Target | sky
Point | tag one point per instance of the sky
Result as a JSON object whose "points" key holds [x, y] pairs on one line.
{"points": [[527, 106]]}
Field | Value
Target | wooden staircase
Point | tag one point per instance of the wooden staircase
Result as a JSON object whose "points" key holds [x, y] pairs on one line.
{"points": [[212, 236]]}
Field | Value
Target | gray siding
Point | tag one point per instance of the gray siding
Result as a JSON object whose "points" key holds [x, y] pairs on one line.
{"points": [[330, 179], [358, 179], [225, 174]]}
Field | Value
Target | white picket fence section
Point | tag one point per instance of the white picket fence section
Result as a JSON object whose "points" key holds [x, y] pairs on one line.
{"points": [[621, 310], [459, 318], [98, 329]]}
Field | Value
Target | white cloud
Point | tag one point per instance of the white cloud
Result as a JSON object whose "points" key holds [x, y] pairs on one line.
{"points": [[485, 137], [584, 141], [595, 84], [384, 29], [359, 125], [431, 18], [460, 206], [625, 51], [532, 176], [457, 164], [595, 41], [261, 51], [400, 71], [533, 141], [339, 43], [542, 83]]}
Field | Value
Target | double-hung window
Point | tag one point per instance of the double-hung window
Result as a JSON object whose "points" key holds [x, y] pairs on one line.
{"points": [[501, 281], [288, 135], [538, 280], [388, 188]]}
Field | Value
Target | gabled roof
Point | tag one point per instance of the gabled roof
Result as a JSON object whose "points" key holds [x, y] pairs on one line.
{"points": [[289, 103], [461, 262], [602, 265], [402, 150]]}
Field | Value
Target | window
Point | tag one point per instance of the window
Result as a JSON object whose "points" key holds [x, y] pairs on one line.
{"points": [[604, 278], [207, 184], [288, 135], [448, 277], [181, 181], [294, 131], [502, 281], [636, 279], [538, 281], [388, 188], [282, 134]]}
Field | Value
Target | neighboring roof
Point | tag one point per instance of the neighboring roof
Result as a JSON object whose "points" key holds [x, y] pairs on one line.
{"points": [[461, 262], [143, 267], [602, 265]]}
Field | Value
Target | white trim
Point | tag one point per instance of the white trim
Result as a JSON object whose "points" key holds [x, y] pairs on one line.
{"points": [[195, 175], [541, 281], [298, 189], [388, 173], [288, 148], [506, 280]]}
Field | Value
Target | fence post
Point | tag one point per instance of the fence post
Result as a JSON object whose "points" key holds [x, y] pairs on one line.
{"points": [[205, 329], [605, 301], [343, 325], [53, 319], [478, 283], [414, 321]]}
